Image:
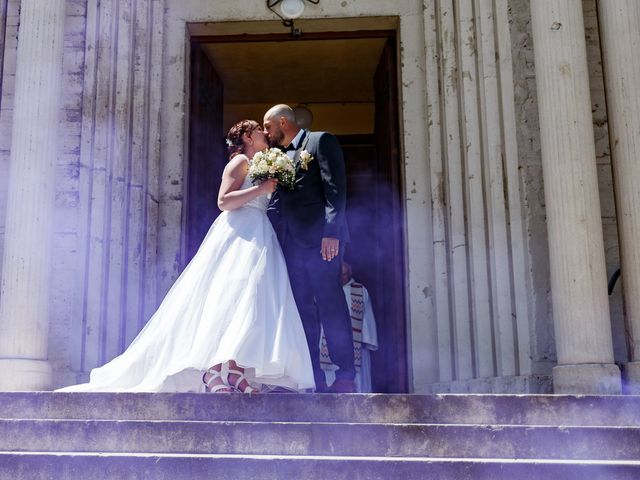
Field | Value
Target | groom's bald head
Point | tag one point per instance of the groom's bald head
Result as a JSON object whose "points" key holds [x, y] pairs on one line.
{"points": [[280, 110], [280, 125]]}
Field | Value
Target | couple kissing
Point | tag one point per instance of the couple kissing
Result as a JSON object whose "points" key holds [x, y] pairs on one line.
{"points": [[245, 314]]}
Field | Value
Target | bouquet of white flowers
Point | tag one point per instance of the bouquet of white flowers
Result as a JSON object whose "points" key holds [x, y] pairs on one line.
{"points": [[273, 163]]}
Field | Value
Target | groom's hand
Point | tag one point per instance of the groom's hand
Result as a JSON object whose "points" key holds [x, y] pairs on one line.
{"points": [[330, 248]]}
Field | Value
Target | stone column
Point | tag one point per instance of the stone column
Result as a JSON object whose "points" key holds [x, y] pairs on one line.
{"points": [[578, 277], [620, 35], [24, 294]]}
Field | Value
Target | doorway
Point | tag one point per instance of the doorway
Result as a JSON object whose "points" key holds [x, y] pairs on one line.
{"points": [[348, 80]]}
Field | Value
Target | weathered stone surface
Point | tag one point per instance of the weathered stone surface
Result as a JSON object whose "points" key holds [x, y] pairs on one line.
{"points": [[157, 58], [322, 438], [354, 408], [631, 378], [228, 467], [620, 35], [587, 379], [27, 251], [520, 384], [576, 249], [58, 435]]}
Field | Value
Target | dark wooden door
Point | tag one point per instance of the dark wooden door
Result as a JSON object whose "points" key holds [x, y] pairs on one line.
{"points": [[391, 359], [207, 156], [362, 217], [375, 217]]}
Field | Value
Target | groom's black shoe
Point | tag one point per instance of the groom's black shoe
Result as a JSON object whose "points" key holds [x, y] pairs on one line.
{"points": [[342, 385]]}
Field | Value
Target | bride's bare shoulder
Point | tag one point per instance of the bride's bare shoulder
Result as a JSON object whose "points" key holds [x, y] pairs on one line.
{"points": [[238, 162], [240, 157]]}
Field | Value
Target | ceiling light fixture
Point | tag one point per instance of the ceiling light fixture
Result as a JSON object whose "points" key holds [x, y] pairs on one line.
{"points": [[289, 11]]}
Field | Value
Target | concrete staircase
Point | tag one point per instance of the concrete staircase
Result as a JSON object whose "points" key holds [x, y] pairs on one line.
{"points": [[47, 435]]}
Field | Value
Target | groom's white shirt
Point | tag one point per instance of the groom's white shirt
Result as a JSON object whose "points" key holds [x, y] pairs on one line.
{"points": [[295, 143]]}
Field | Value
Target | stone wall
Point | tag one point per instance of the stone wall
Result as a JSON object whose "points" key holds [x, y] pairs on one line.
{"points": [[478, 263], [481, 294], [543, 347], [113, 120], [103, 271]]}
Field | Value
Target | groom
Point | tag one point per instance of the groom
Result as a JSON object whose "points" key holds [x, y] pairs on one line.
{"points": [[311, 224]]}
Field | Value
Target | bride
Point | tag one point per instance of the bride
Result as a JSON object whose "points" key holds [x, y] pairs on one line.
{"points": [[231, 314]]}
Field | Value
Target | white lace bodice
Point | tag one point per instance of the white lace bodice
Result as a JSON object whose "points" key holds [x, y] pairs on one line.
{"points": [[261, 202]]}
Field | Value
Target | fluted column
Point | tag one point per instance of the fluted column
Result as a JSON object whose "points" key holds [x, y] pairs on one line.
{"points": [[578, 277], [620, 34], [25, 287]]}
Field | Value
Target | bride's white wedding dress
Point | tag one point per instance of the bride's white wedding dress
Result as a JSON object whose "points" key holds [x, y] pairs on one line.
{"points": [[233, 301]]}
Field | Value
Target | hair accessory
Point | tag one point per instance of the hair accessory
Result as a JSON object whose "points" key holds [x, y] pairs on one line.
{"points": [[229, 142]]}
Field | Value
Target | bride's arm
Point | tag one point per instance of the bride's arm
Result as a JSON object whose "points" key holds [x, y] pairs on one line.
{"points": [[229, 196]]}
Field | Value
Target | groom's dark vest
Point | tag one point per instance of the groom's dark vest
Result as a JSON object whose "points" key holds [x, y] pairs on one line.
{"points": [[315, 208]]}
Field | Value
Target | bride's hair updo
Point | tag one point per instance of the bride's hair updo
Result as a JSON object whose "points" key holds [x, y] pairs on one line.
{"points": [[235, 144]]}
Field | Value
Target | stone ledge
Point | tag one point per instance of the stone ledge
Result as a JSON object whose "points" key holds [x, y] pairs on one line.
{"points": [[303, 438], [519, 384], [71, 466], [614, 410]]}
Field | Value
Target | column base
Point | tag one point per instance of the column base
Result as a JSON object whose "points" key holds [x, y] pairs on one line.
{"points": [[18, 374], [631, 378], [587, 379]]}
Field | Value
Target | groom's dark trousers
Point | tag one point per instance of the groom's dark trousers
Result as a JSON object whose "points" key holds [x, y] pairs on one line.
{"points": [[318, 293], [314, 209]]}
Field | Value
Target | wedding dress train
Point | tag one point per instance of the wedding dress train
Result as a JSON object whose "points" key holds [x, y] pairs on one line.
{"points": [[233, 301]]}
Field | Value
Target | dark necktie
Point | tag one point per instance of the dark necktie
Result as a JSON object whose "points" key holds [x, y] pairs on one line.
{"points": [[289, 148]]}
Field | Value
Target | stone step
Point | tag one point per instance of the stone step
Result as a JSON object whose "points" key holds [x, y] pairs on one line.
{"points": [[322, 439], [355, 408], [97, 466]]}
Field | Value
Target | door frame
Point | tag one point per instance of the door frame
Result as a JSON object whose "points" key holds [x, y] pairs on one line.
{"points": [[400, 377]]}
